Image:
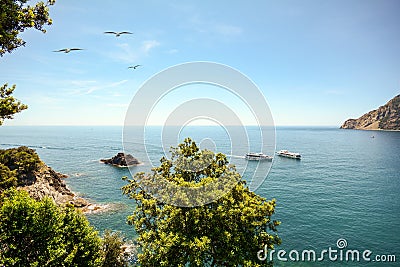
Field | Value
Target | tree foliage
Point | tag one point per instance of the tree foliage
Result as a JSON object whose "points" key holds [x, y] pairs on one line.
{"points": [[8, 178], [227, 232], [39, 233], [15, 17], [8, 104], [113, 248], [22, 159], [17, 167]]}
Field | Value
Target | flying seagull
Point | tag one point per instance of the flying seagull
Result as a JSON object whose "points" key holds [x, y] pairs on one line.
{"points": [[67, 50], [118, 34], [134, 67]]}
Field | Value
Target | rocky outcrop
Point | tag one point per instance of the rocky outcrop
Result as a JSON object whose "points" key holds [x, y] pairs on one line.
{"points": [[23, 168], [386, 117], [121, 160], [50, 183]]}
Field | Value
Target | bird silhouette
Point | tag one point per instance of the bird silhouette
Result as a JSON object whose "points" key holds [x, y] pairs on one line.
{"points": [[134, 67], [67, 50], [118, 34]]}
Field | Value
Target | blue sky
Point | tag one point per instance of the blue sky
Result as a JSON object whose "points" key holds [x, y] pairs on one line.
{"points": [[316, 62]]}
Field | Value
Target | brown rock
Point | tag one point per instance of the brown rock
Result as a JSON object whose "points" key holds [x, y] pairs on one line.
{"points": [[121, 160], [386, 117], [50, 183]]}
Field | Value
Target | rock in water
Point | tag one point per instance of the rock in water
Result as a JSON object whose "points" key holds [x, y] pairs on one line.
{"points": [[121, 160], [386, 117]]}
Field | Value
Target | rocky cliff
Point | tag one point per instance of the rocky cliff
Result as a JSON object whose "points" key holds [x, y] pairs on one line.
{"points": [[50, 183], [22, 168], [386, 117]]}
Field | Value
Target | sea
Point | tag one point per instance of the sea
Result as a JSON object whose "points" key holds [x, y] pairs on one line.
{"points": [[340, 199]]}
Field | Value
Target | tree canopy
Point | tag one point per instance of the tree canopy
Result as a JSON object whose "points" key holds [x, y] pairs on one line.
{"points": [[113, 249], [8, 178], [23, 160], [8, 104], [39, 233], [226, 232], [15, 17], [17, 166]]}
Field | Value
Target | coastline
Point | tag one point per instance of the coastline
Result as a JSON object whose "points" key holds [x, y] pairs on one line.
{"points": [[380, 130], [49, 183]]}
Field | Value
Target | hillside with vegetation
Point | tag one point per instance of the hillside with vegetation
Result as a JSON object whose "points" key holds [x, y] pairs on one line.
{"points": [[21, 167]]}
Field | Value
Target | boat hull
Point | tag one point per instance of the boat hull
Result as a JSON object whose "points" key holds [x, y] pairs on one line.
{"points": [[287, 154], [258, 157]]}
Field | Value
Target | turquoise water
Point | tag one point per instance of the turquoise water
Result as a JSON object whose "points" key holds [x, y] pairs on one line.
{"points": [[347, 184]]}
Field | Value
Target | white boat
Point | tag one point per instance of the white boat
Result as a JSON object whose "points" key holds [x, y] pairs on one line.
{"points": [[257, 156], [287, 154]]}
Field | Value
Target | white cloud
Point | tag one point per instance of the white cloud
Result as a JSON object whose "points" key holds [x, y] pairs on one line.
{"points": [[126, 53], [130, 54], [82, 83], [44, 100], [148, 45], [172, 51], [88, 87]]}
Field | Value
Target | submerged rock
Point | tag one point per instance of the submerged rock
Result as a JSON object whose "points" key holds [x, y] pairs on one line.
{"points": [[121, 160]]}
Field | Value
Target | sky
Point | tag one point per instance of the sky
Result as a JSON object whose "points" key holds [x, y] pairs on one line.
{"points": [[316, 62]]}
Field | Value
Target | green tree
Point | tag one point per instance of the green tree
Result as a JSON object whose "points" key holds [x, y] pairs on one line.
{"points": [[23, 160], [8, 178], [15, 17], [8, 104], [227, 232], [39, 233], [113, 249], [17, 167]]}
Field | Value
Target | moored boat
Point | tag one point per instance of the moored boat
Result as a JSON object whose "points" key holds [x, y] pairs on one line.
{"points": [[257, 156], [287, 154]]}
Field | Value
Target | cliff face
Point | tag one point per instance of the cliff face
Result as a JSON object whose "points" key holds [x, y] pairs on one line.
{"points": [[386, 117], [22, 168], [45, 182]]}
